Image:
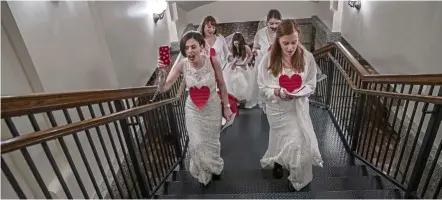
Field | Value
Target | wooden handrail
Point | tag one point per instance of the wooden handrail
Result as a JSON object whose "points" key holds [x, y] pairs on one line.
{"points": [[411, 97], [20, 105], [425, 79], [350, 58], [324, 49], [60, 131]]}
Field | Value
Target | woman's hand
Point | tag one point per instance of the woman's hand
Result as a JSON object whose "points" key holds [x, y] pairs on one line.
{"points": [[243, 66], [255, 51], [283, 94], [161, 65], [287, 95], [227, 113]]}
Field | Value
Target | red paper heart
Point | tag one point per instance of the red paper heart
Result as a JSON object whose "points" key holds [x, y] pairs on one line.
{"points": [[290, 83], [212, 52], [199, 96]]}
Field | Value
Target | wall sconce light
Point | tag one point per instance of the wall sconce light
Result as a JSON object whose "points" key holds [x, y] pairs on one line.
{"points": [[355, 4], [159, 7], [157, 17]]}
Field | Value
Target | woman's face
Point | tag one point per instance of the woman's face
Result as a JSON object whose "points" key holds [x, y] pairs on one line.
{"points": [[209, 29], [236, 43], [193, 50], [273, 24], [289, 43]]}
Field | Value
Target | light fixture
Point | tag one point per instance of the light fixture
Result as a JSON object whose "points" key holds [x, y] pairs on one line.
{"points": [[355, 4], [158, 8]]}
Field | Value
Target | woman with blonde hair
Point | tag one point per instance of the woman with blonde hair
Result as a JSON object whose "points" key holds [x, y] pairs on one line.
{"points": [[286, 77]]}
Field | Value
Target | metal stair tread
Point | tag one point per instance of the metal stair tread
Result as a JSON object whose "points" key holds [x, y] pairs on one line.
{"points": [[345, 194], [266, 174], [271, 186]]}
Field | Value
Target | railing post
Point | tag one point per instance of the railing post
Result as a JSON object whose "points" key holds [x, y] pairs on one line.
{"points": [[425, 150], [330, 77], [175, 135], [359, 113], [131, 149], [313, 38]]}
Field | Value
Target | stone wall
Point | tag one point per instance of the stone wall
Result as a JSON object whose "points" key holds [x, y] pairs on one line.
{"points": [[322, 34]]}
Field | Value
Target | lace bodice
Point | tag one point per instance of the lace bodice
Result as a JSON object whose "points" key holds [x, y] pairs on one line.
{"points": [[203, 125], [205, 76]]}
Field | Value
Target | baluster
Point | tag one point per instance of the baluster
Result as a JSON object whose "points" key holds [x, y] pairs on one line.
{"points": [[29, 160], [130, 147], [424, 152], [12, 180], [359, 122]]}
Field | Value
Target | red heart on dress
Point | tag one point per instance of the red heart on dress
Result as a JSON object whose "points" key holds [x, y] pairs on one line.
{"points": [[212, 52], [199, 96], [290, 83], [270, 48]]}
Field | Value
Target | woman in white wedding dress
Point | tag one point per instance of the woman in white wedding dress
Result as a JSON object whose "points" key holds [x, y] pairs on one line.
{"points": [[262, 43], [218, 43], [292, 141], [203, 120], [239, 63]]}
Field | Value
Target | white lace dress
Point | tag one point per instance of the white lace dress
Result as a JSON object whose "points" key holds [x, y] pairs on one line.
{"points": [[203, 125], [292, 140]]}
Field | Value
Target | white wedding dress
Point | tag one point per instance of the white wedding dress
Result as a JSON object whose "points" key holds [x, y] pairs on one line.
{"points": [[203, 126], [292, 140], [262, 41], [222, 51]]}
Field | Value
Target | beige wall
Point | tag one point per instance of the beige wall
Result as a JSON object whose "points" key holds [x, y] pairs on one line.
{"points": [[396, 37], [74, 46]]}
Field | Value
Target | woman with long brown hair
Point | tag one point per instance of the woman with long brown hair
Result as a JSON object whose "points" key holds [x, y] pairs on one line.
{"points": [[239, 62], [286, 77]]}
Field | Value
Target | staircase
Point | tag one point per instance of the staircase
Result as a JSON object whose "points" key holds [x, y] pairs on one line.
{"points": [[242, 147], [118, 144]]}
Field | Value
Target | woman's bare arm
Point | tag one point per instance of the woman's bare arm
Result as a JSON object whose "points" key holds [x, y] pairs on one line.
{"points": [[173, 75], [249, 54], [220, 80]]}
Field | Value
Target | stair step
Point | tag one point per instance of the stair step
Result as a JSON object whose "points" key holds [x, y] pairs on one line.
{"points": [[348, 194], [271, 186], [266, 174]]}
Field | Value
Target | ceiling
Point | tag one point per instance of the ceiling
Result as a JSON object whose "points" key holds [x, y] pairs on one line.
{"points": [[190, 5]]}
